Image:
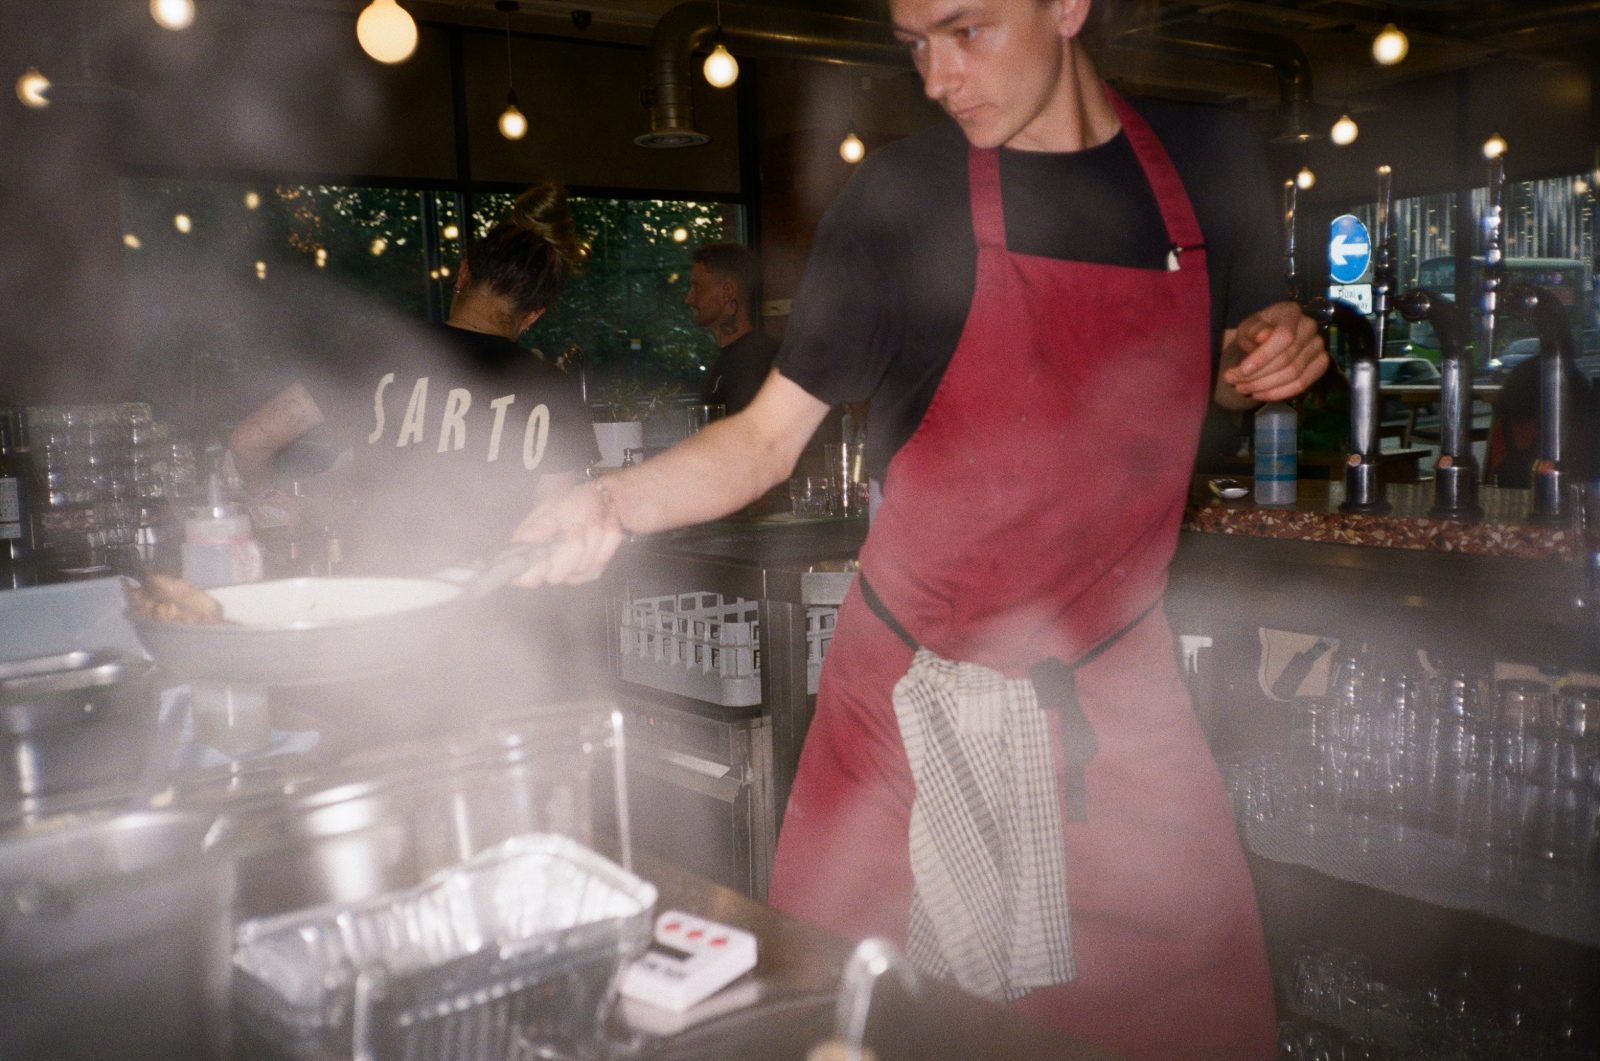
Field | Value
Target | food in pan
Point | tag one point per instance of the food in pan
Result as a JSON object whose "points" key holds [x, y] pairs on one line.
{"points": [[171, 600]]}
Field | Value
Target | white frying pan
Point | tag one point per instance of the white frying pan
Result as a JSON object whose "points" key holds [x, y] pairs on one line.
{"points": [[311, 631]]}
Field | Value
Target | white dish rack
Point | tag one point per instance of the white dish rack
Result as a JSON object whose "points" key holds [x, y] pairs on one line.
{"points": [[699, 645]]}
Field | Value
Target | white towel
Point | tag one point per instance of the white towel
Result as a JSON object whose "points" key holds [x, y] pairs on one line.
{"points": [[989, 904]]}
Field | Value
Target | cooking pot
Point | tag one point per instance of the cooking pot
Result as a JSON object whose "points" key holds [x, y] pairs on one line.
{"points": [[75, 721], [386, 820], [314, 631], [115, 938]]}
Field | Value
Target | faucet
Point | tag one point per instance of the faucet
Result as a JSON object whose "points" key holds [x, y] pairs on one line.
{"points": [[871, 959], [1556, 353], [1455, 471], [1363, 480]]}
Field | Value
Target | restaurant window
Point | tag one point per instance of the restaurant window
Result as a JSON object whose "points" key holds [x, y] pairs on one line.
{"points": [[227, 279], [1549, 241], [625, 312]]}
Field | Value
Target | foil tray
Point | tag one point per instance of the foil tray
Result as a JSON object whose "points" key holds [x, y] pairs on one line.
{"points": [[523, 943]]}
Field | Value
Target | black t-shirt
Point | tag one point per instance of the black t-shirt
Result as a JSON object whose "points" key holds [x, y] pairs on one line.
{"points": [[890, 278], [451, 431], [740, 369]]}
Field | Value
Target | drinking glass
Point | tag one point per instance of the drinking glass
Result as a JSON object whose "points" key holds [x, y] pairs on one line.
{"points": [[703, 414], [811, 496]]}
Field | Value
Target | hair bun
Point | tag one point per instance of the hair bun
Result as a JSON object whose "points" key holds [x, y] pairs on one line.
{"points": [[542, 211]]}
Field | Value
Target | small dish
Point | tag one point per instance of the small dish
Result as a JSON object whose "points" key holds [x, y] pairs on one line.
{"points": [[1229, 489]]}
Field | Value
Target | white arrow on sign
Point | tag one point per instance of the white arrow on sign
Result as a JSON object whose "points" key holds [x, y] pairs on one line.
{"points": [[1338, 249]]}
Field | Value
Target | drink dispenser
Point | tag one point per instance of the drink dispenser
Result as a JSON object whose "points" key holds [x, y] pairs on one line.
{"points": [[1556, 370], [1455, 471]]}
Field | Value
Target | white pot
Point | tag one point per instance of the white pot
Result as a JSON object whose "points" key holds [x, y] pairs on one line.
{"points": [[615, 437]]}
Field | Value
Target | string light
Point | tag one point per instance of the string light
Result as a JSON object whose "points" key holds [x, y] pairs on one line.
{"points": [[450, 232], [1344, 131], [251, 200], [172, 14], [680, 234], [322, 257], [183, 223], [261, 270], [379, 245], [721, 68], [33, 89], [1390, 45], [131, 241], [386, 32]]}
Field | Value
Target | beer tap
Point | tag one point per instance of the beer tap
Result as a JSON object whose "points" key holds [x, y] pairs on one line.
{"points": [[1455, 471], [1291, 273], [1556, 355], [1363, 478]]}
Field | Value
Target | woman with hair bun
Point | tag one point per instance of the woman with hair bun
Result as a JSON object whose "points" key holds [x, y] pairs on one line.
{"points": [[453, 429]]}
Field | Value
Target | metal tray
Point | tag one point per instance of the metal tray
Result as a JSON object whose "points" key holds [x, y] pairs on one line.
{"points": [[525, 939]]}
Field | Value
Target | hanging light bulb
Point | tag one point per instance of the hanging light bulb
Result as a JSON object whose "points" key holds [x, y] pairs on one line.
{"points": [[1494, 147], [721, 68], [1305, 178], [1344, 131], [851, 149], [172, 14], [1390, 45], [386, 32], [33, 89], [182, 223], [513, 123]]}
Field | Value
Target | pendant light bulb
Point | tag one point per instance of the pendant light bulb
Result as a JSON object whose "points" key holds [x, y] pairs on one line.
{"points": [[386, 32], [1305, 178], [721, 68], [1344, 131], [172, 14], [1390, 45], [1494, 147], [513, 123], [33, 89], [851, 149]]}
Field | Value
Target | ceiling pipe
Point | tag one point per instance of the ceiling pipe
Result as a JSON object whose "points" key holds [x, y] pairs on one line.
{"points": [[1280, 54], [756, 31], [779, 31]]}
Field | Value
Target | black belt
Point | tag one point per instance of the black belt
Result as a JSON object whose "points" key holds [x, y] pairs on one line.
{"points": [[1055, 684]]}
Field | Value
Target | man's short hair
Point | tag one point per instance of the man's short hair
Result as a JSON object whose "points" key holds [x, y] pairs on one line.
{"points": [[738, 263]]}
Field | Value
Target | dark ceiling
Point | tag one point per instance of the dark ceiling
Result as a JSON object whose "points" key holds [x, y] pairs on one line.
{"points": [[1334, 35]]}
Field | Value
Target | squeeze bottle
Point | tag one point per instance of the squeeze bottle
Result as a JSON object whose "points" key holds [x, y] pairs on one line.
{"points": [[1276, 444]]}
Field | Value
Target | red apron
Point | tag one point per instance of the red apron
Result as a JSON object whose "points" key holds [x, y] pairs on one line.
{"points": [[1032, 515]]}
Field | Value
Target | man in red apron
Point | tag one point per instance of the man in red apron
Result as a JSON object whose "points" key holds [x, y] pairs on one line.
{"points": [[1012, 575]]}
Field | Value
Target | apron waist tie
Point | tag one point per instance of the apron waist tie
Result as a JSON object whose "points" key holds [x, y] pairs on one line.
{"points": [[1055, 684]]}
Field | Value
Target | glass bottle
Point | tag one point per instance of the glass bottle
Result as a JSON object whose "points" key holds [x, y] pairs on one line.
{"points": [[16, 508]]}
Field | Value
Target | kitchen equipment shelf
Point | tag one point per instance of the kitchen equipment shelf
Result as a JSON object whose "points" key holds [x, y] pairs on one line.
{"points": [[706, 646]]}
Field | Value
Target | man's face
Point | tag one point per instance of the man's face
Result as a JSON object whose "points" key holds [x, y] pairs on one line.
{"points": [[995, 66], [707, 297]]}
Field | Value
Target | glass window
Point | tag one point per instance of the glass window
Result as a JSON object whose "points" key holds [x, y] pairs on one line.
{"points": [[225, 277]]}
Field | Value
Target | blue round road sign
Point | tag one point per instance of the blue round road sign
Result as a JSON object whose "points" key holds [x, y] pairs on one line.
{"points": [[1349, 249]]}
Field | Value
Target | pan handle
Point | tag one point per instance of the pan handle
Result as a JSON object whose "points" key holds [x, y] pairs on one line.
{"points": [[500, 570]]}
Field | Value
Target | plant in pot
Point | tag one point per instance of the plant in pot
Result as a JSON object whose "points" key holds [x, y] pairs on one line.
{"points": [[624, 405]]}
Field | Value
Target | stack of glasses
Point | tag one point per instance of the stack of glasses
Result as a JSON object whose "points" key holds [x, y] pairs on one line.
{"points": [[1507, 771], [106, 474]]}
